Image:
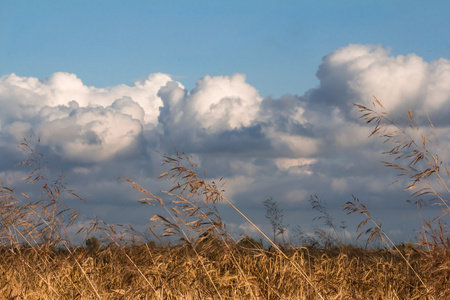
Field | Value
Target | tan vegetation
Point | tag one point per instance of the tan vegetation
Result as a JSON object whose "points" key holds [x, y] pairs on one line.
{"points": [[180, 273], [40, 261]]}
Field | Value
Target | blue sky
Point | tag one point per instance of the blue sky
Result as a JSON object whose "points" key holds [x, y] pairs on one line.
{"points": [[259, 92], [277, 44]]}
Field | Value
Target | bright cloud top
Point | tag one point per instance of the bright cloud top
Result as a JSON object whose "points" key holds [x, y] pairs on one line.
{"points": [[360, 72], [216, 104], [76, 121]]}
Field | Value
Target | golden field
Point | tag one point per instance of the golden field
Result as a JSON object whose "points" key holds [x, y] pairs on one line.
{"points": [[38, 259]]}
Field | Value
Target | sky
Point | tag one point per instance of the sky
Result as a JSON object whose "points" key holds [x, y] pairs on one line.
{"points": [[259, 93]]}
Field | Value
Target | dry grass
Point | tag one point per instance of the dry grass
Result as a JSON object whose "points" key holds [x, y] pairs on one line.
{"points": [[180, 273], [39, 261]]}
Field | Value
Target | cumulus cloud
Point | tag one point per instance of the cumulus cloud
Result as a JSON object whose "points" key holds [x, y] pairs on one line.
{"points": [[90, 124], [215, 105], [25, 96], [78, 122], [286, 148], [90, 134], [356, 73]]}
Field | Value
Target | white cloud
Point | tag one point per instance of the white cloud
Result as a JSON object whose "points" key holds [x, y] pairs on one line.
{"points": [[224, 102], [438, 89], [18, 129], [217, 103], [78, 122], [356, 73], [90, 134], [24, 96], [129, 107], [290, 144], [285, 148], [295, 165]]}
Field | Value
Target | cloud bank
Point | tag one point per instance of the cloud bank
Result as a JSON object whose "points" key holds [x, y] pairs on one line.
{"points": [[286, 148]]}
